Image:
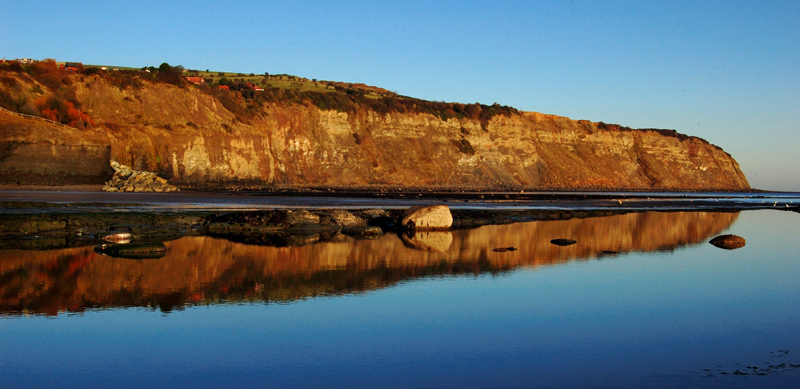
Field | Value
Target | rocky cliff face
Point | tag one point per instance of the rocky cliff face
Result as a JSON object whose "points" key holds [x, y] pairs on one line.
{"points": [[190, 137]]}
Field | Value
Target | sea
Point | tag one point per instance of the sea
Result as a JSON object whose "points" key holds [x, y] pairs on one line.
{"points": [[633, 297]]}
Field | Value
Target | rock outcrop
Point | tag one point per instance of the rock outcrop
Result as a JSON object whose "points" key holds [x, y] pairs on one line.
{"points": [[126, 179], [189, 137]]}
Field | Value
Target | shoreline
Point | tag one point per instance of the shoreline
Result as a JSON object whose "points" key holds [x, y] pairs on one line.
{"points": [[394, 191], [52, 219]]}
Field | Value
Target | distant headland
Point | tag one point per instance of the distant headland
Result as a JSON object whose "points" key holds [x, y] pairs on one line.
{"points": [[62, 123]]}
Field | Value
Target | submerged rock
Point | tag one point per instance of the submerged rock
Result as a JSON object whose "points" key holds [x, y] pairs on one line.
{"points": [[728, 242], [363, 232], [504, 249], [427, 217], [133, 250], [563, 242]]}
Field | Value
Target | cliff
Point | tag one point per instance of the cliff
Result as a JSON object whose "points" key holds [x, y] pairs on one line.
{"points": [[203, 140]]}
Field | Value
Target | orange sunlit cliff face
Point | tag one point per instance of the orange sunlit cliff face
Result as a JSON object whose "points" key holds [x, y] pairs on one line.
{"points": [[201, 270], [200, 139]]}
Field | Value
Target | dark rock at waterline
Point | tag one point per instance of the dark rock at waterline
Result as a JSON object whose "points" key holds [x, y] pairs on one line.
{"points": [[504, 249], [133, 250], [363, 232], [728, 242], [387, 223], [563, 242], [301, 221]]}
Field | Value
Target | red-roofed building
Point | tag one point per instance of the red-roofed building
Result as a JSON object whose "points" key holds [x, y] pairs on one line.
{"points": [[224, 87], [196, 80], [255, 87]]}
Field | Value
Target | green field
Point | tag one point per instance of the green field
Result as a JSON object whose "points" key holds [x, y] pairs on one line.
{"points": [[282, 81]]}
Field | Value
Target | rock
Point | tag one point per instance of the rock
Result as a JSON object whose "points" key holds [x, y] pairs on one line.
{"points": [[301, 217], [375, 213], [344, 218], [427, 217], [504, 249], [126, 179], [563, 242], [120, 237], [728, 242], [363, 232]]}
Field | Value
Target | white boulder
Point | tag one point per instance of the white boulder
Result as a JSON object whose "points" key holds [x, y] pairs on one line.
{"points": [[427, 217]]}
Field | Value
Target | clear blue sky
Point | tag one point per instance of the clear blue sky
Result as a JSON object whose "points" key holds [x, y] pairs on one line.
{"points": [[726, 71]]}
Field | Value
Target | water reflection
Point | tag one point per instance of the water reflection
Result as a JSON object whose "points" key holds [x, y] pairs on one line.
{"points": [[208, 269]]}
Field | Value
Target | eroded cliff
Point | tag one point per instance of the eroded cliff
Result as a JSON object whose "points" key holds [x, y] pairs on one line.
{"points": [[191, 138]]}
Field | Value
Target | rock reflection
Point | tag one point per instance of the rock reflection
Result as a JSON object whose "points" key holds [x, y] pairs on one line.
{"points": [[206, 269], [438, 241]]}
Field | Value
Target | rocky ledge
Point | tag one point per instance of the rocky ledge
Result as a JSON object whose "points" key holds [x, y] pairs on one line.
{"points": [[126, 179]]}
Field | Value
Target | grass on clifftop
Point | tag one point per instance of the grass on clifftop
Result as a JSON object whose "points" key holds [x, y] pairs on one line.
{"points": [[242, 94]]}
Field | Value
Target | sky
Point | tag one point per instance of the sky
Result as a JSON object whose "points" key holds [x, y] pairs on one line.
{"points": [[725, 71]]}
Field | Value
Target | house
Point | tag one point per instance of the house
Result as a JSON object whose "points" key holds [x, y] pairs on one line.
{"points": [[72, 66], [255, 87], [224, 87], [196, 80]]}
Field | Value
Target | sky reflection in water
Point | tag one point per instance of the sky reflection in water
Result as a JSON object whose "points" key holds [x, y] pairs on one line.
{"points": [[533, 317]]}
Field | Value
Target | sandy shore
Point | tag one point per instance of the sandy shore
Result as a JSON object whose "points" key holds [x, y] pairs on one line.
{"points": [[55, 188]]}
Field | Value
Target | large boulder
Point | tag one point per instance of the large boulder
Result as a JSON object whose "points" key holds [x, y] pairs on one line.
{"points": [[126, 179], [427, 217]]}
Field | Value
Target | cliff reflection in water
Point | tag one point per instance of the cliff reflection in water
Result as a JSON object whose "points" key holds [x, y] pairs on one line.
{"points": [[203, 270]]}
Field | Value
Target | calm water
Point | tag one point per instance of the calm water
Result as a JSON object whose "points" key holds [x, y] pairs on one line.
{"points": [[641, 300]]}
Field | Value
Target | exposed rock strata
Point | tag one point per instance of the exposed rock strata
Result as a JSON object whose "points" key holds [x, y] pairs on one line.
{"points": [[188, 137], [126, 179]]}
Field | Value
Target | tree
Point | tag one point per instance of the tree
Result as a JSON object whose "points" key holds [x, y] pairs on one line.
{"points": [[170, 75]]}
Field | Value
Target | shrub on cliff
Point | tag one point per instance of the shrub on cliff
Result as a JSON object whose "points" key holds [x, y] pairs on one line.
{"points": [[170, 75], [57, 109]]}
